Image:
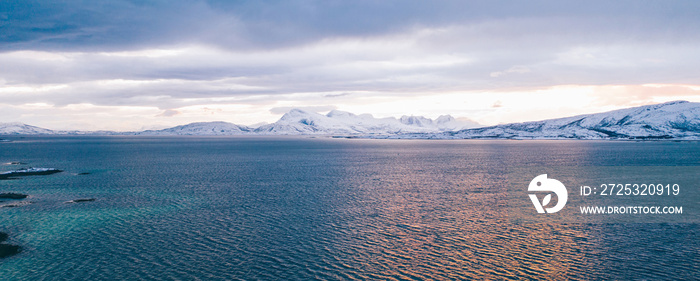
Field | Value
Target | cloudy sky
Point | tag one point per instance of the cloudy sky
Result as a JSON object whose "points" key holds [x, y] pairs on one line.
{"points": [[129, 65]]}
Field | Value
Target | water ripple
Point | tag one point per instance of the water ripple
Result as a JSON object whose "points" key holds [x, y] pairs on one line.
{"points": [[236, 209]]}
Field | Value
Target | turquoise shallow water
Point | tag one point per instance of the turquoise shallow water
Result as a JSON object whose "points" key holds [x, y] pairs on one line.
{"points": [[240, 208]]}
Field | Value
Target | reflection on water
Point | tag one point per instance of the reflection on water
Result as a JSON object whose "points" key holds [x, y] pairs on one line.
{"points": [[419, 220], [288, 208]]}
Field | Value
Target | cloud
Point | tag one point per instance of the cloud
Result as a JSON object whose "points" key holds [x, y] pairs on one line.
{"points": [[252, 25], [285, 109], [336, 95], [168, 113], [187, 56], [515, 69]]}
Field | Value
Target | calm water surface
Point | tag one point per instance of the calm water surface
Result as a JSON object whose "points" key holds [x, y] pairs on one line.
{"points": [[198, 208]]}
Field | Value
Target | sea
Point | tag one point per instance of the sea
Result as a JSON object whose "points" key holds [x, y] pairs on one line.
{"points": [[318, 208]]}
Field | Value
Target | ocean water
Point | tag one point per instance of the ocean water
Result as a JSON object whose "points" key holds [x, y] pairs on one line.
{"points": [[285, 208]]}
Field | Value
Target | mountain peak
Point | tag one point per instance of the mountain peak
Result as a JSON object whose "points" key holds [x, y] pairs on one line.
{"points": [[675, 102], [671, 120], [296, 113], [444, 119], [339, 113], [419, 121], [201, 128]]}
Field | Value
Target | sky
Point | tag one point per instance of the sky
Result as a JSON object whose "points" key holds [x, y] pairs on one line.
{"points": [[133, 65]]}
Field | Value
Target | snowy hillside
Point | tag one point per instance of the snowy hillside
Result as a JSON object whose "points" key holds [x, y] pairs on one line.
{"points": [[300, 122], [677, 120], [672, 120], [23, 129], [294, 122], [442, 123], [200, 129]]}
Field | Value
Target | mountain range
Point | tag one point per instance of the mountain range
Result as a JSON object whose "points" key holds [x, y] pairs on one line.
{"points": [[294, 122], [671, 120]]}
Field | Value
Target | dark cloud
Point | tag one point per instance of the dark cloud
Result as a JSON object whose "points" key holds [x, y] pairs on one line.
{"points": [[98, 25], [261, 52], [241, 25]]}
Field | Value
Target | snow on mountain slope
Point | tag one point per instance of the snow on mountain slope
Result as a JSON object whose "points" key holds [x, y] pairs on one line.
{"points": [[678, 120], [300, 122], [294, 122], [672, 120], [217, 128], [23, 129], [442, 123]]}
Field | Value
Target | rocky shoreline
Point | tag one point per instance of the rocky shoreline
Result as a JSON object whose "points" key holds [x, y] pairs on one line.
{"points": [[14, 199], [12, 195], [7, 250], [29, 172]]}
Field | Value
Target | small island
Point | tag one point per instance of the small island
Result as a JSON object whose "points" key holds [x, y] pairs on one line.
{"points": [[80, 200], [17, 199], [29, 172], [10, 195], [7, 250]]}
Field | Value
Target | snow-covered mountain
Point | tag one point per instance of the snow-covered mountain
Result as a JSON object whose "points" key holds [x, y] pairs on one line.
{"points": [[200, 129], [301, 122], [23, 129], [442, 123], [294, 122], [336, 122], [671, 120]]}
